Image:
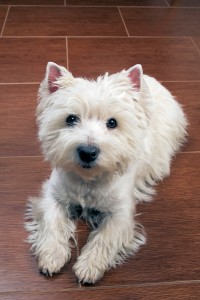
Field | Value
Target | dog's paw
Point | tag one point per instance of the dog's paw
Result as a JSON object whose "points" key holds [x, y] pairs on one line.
{"points": [[51, 264], [87, 272]]}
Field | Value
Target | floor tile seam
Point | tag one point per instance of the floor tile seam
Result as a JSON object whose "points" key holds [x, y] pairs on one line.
{"points": [[20, 83], [101, 6], [35, 5], [195, 45], [22, 156], [41, 156], [5, 20], [124, 24], [164, 7], [89, 6], [181, 81], [38, 83], [94, 36], [33, 36], [166, 2]]}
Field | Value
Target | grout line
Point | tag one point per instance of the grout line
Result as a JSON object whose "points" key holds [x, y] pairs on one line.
{"points": [[195, 45], [123, 21], [24, 156], [94, 36], [189, 152], [115, 6], [36, 83], [18, 83], [104, 6], [159, 37], [5, 20], [181, 81], [33, 36], [130, 36], [67, 51], [164, 7], [35, 5], [166, 2]]}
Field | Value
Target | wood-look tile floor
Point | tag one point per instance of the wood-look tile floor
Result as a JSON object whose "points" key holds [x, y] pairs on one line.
{"points": [[91, 37]]}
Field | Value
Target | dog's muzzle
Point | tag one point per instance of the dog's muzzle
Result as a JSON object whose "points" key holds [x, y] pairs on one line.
{"points": [[87, 155]]}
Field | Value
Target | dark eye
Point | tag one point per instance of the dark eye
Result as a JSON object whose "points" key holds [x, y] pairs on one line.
{"points": [[111, 123], [72, 120]]}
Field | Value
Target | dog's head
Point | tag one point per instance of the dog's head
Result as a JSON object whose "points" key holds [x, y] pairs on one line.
{"points": [[92, 127]]}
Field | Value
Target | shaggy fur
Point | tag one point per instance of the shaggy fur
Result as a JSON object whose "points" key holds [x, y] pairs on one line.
{"points": [[132, 157]]}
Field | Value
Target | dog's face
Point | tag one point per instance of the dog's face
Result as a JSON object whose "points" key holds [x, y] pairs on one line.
{"points": [[92, 127]]}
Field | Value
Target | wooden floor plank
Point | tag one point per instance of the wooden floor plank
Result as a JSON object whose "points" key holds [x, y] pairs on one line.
{"points": [[190, 291], [166, 59], [172, 22], [45, 21], [24, 60]]}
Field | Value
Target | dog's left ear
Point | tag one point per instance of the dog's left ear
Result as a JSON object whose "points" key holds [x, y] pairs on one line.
{"points": [[135, 74]]}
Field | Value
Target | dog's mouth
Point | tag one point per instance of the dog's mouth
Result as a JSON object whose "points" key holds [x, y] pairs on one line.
{"points": [[86, 165]]}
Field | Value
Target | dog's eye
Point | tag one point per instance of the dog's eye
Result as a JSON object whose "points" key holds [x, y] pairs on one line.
{"points": [[111, 123], [72, 120]]}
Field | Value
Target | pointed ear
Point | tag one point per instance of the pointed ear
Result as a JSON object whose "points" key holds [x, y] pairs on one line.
{"points": [[53, 74], [135, 74]]}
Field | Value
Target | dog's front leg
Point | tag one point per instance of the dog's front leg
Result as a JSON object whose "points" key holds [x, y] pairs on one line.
{"points": [[117, 237], [50, 233]]}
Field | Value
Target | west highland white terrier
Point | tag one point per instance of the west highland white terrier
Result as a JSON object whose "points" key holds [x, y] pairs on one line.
{"points": [[109, 142]]}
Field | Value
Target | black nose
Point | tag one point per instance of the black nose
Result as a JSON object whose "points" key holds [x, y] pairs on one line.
{"points": [[88, 153]]}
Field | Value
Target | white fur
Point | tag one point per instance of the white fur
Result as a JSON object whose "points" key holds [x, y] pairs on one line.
{"points": [[133, 157]]}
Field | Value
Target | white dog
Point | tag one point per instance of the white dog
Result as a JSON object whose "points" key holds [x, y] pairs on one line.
{"points": [[109, 142]]}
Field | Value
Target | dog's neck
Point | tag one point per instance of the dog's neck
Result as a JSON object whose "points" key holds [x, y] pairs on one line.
{"points": [[93, 182]]}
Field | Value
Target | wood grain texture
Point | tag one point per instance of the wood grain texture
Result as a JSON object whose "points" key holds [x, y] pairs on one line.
{"points": [[164, 292], [184, 3], [167, 267], [17, 120], [188, 96], [19, 270], [43, 21], [163, 58], [24, 60], [19, 179], [162, 21]]}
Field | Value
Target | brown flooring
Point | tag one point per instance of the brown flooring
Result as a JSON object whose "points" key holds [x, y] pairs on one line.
{"points": [[91, 37]]}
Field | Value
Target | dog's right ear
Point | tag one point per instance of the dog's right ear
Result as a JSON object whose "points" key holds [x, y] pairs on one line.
{"points": [[56, 76]]}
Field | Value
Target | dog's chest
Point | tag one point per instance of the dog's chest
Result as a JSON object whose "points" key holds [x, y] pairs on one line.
{"points": [[88, 196]]}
